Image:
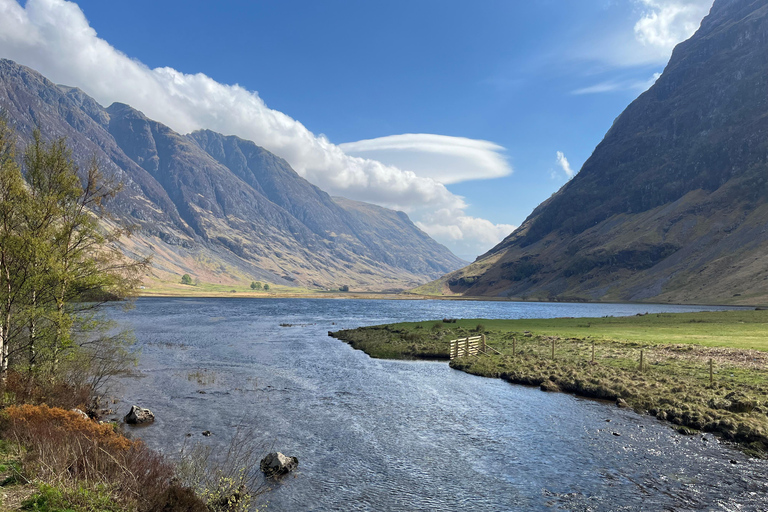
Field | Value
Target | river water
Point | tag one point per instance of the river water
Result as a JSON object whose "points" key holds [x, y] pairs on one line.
{"points": [[399, 435]]}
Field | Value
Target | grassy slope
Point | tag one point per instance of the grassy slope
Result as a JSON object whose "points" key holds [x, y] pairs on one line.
{"points": [[673, 385]]}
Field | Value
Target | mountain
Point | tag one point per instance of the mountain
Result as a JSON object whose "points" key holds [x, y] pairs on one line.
{"points": [[222, 208], [673, 203]]}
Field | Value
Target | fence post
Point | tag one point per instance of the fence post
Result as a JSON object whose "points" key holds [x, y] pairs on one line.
{"points": [[483, 340], [641, 360], [711, 373], [466, 347]]}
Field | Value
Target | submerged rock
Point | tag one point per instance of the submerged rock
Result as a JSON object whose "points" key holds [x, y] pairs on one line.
{"points": [[276, 464], [139, 416]]}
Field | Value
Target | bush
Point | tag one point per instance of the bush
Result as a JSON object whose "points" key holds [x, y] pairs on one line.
{"points": [[85, 460], [266, 287], [186, 279], [344, 288], [255, 285]]}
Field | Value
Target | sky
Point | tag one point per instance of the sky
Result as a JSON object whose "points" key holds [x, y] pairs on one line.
{"points": [[465, 115]]}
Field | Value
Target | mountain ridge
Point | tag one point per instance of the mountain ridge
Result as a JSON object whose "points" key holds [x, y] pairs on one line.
{"points": [[199, 212], [671, 205]]}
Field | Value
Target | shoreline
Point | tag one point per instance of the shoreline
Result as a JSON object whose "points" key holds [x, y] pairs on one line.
{"points": [[675, 384], [405, 296]]}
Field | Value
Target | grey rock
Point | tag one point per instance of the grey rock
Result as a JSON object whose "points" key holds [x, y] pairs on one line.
{"points": [[276, 464], [139, 416]]}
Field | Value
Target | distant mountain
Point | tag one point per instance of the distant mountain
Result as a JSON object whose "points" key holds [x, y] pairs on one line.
{"points": [[221, 208], [673, 203]]}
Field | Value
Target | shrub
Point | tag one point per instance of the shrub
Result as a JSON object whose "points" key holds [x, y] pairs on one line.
{"points": [[255, 285], [186, 279], [87, 460], [266, 287]]}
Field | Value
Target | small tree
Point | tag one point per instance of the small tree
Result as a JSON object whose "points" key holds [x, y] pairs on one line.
{"points": [[255, 285], [344, 288], [186, 279], [266, 287]]}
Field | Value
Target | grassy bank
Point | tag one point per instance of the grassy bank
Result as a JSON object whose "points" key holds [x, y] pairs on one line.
{"points": [[674, 383]]}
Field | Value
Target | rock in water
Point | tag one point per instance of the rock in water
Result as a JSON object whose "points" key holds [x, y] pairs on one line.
{"points": [[139, 416], [276, 464]]}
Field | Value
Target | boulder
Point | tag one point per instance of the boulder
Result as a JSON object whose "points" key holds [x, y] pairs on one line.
{"points": [[139, 416], [276, 464]]}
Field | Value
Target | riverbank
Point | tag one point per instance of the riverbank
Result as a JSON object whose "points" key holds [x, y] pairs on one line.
{"points": [[700, 371]]}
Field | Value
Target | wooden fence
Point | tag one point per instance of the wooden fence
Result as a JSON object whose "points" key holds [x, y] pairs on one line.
{"points": [[471, 346]]}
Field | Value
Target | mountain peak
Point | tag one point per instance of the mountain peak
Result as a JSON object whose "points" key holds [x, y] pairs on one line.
{"points": [[671, 204]]}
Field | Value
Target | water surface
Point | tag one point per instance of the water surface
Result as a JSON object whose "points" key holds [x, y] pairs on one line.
{"points": [[396, 435]]}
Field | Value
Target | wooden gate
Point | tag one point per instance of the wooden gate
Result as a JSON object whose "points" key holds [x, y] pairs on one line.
{"points": [[465, 347]]}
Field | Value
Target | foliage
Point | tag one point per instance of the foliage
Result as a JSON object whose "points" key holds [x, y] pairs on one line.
{"points": [[88, 466], [186, 279], [344, 288], [58, 266], [225, 481], [266, 287], [255, 285]]}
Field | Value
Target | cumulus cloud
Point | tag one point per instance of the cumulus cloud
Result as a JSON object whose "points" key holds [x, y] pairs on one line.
{"points": [[455, 226], [55, 38], [442, 158], [664, 23], [659, 26], [564, 165]]}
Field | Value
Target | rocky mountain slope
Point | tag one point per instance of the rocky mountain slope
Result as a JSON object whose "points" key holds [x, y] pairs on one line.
{"points": [[221, 208], [673, 203]]}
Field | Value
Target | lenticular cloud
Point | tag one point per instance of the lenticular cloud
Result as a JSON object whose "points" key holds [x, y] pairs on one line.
{"points": [[55, 38]]}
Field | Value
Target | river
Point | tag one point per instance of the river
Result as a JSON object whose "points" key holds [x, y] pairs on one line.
{"points": [[403, 435]]}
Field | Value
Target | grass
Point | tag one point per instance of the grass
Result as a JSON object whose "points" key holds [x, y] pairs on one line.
{"points": [[674, 383]]}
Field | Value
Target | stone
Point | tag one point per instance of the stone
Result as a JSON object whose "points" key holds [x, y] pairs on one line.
{"points": [[277, 464], [80, 413], [620, 402], [207, 433], [139, 416]]}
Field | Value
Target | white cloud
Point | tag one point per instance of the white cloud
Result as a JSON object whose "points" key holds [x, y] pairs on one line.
{"points": [[563, 163], [442, 158], [664, 23], [55, 38], [618, 85], [455, 226], [657, 26]]}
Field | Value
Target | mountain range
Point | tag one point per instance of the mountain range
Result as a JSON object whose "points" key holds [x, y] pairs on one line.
{"points": [[221, 208], [673, 203]]}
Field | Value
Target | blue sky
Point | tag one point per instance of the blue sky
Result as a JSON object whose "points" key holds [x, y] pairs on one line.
{"points": [[507, 85]]}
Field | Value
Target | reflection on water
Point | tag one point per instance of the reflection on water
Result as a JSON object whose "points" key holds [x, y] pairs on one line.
{"points": [[394, 435]]}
